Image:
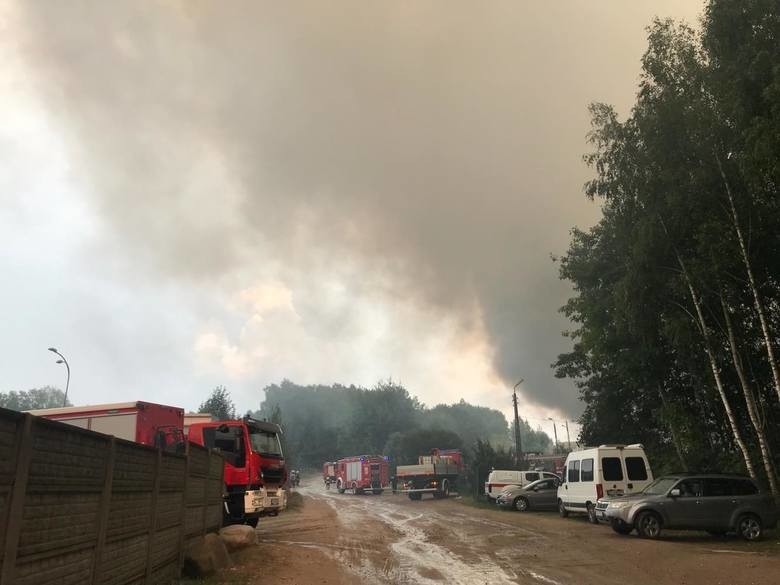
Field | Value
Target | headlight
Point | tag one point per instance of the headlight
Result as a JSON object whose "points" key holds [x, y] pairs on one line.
{"points": [[618, 505]]}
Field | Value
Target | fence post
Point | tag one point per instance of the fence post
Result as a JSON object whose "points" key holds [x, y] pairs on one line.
{"points": [[183, 514], [105, 508], [16, 511], [205, 501], [153, 517]]}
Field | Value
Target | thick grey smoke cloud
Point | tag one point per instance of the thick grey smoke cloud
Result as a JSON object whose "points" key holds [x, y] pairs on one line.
{"points": [[434, 145]]}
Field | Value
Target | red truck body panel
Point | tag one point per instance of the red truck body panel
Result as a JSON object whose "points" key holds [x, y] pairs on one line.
{"points": [[146, 423], [362, 472], [329, 471]]}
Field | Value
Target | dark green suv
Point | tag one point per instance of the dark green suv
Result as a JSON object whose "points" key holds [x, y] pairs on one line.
{"points": [[717, 503]]}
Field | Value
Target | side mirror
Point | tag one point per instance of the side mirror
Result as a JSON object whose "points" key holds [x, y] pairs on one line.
{"points": [[675, 493]]}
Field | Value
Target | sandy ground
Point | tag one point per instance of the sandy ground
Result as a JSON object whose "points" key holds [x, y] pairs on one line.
{"points": [[346, 539]]}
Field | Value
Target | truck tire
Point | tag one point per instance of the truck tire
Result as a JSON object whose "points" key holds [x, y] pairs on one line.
{"points": [[443, 492], [415, 495]]}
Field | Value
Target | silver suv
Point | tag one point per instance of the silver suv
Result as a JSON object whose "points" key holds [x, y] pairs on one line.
{"points": [[717, 503]]}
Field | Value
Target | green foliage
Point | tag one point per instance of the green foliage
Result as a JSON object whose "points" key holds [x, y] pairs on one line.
{"points": [[706, 103], [33, 399], [325, 423], [404, 448], [219, 404], [531, 441]]}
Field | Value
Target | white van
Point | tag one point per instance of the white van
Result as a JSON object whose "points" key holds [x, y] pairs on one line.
{"points": [[500, 478], [608, 469]]}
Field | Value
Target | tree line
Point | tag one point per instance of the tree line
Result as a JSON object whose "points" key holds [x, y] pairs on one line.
{"points": [[676, 304], [325, 423]]}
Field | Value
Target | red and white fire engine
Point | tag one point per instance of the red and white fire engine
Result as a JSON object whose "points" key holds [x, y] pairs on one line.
{"points": [[329, 472], [362, 473]]}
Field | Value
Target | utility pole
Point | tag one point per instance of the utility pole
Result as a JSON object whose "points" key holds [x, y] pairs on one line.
{"points": [[568, 438], [518, 445], [555, 432]]}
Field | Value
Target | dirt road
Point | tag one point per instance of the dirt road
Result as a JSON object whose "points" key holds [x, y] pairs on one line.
{"points": [[334, 539]]}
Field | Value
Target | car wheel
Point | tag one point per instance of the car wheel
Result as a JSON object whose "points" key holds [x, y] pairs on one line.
{"points": [[521, 504], [648, 525], [621, 527], [562, 511], [749, 527], [592, 518], [415, 495]]}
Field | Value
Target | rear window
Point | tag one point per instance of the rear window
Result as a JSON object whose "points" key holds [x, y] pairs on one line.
{"points": [[719, 486], [587, 470], [635, 467], [574, 471], [743, 487], [531, 476], [611, 468], [727, 486]]}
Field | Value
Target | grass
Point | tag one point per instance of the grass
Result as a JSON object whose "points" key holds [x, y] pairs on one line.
{"points": [[480, 502]]}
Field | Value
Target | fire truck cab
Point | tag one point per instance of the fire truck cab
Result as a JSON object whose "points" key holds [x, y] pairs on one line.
{"points": [[255, 471]]}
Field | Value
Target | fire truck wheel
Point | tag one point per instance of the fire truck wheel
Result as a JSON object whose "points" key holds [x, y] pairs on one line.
{"points": [[252, 522], [415, 496]]}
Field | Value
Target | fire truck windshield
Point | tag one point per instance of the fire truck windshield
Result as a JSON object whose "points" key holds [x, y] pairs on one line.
{"points": [[265, 443]]}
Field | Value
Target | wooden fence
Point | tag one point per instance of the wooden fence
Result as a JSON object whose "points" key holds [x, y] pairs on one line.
{"points": [[79, 507]]}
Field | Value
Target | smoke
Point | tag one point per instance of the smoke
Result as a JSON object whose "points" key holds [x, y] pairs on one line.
{"points": [[423, 151]]}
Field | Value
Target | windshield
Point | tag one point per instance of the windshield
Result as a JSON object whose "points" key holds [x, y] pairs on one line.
{"points": [[265, 442], [660, 486]]}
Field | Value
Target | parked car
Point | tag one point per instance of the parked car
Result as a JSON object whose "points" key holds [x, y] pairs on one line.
{"points": [[538, 495], [501, 478], [717, 503], [607, 470]]}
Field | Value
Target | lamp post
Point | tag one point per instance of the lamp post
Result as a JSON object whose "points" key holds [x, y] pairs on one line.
{"points": [[555, 432], [62, 360]]}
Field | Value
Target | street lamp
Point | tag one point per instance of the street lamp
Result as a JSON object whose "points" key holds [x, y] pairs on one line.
{"points": [[555, 432], [62, 360]]}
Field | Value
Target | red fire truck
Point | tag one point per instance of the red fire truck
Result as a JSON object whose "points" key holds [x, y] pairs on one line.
{"points": [[147, 423], [362, 473], [435, 474], [329, 473], [255, 471]]}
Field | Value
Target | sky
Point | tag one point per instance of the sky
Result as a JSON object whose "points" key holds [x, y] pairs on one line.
{"points": [[199, 193]]}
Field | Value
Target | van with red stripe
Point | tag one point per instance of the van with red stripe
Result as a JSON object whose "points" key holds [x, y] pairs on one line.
{"points": [[501, 478]]}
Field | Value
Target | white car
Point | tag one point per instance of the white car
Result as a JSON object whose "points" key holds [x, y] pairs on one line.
{"points": [[590, 474], [501, 478]]}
